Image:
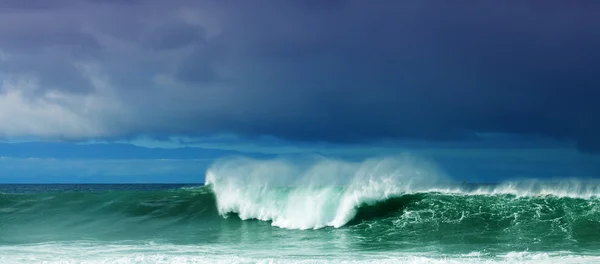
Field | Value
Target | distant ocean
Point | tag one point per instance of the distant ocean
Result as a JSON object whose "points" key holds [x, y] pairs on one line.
{"points": [[235, 219]]}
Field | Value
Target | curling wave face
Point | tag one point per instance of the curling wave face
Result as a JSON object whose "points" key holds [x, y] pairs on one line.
{"points": [[323, 193]]}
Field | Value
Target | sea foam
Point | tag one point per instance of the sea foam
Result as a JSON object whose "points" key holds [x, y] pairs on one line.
{"points": [[328, 192], [87, 253]]}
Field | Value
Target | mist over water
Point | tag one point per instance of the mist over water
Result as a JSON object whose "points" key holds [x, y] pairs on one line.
{"points": [[310, 210]]}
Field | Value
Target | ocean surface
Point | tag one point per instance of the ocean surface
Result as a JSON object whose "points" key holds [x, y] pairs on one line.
{"points": [[246, 213]]}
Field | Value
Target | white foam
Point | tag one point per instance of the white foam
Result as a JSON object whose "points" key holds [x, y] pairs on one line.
{"points": [[572, 188], [565, 188], [82, 253], [327, 192], [323, 193]]}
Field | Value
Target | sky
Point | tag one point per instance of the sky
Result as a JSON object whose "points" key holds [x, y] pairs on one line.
{"points": [[341, 77]]}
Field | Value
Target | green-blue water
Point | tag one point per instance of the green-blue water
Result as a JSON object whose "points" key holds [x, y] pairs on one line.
{"points": [[186, 224], [380, 210]]}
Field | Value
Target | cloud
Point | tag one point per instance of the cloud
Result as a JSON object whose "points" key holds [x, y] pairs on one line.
{"points": [[342, 71], [29, 110]]}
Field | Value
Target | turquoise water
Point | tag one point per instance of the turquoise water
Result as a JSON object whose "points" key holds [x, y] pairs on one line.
{"points": [[161, 222], [374, 217]]}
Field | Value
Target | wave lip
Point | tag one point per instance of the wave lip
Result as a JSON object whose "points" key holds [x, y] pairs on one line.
{"points": [[530, 188], [325, 193]]}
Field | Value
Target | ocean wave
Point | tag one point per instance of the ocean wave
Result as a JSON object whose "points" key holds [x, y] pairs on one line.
{"points": [[394, 194], [95, 208], [333, 193], [388, 206], [324, 193]]}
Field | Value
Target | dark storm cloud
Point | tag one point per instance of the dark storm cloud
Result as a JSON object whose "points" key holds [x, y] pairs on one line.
{"points": [[317, 70]]}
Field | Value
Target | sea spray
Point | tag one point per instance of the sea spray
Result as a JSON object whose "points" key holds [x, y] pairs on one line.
{"points": [[326, 192]]}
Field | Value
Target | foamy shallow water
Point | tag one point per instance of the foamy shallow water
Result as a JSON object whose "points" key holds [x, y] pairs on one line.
{"points": [[81, 253]]}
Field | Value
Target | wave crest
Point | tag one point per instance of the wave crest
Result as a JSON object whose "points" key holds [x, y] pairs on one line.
{"points": [[314, 194], [320, 192]]}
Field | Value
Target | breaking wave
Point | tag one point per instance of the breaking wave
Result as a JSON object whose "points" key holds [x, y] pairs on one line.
{"points": [[388, 199], [327, 192]]}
